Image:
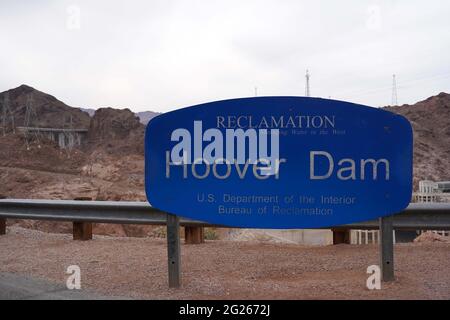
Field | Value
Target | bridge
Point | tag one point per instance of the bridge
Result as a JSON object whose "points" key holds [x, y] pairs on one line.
{"points": [[66, 138]]}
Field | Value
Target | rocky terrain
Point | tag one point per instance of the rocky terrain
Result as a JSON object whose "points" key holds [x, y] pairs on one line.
{"points": [[430, 120], [110, 164], [118, 132], [144, 116], [50, 112]]}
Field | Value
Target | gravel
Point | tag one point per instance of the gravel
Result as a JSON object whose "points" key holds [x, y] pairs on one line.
{"points": [[137, 268]]}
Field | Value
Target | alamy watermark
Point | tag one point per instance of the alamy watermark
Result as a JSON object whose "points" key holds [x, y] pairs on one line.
{"points": [[374, 280], [73, 21], [374, 20], [74, 279]]}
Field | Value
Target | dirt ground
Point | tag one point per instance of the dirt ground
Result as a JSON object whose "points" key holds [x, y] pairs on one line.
{"points": [[137, 268]]}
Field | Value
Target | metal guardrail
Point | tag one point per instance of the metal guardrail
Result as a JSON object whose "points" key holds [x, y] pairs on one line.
{"points": [[88, 211], [415, 216], [425, 216]]}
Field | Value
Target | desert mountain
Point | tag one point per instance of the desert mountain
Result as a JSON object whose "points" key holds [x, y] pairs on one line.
{"points": [[430, 120], [122, 131], [49, 111], [119, 131], [144, 116], [115, 130], [108, 166]]}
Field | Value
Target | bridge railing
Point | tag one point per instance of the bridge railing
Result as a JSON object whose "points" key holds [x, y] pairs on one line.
{"points": [[423, 216]]}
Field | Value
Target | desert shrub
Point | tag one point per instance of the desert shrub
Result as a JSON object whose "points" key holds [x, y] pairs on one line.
{"points": [[211, 234]]}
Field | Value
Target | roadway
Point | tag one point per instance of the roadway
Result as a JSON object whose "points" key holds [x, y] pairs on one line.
{"points": [[18, 287]]}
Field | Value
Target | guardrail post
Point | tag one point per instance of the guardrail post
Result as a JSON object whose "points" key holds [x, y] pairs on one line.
{"points": [[2, 220], [194, 235], [82, 231], [173, 250], [386, 249], [341, 235], [2, 226]]}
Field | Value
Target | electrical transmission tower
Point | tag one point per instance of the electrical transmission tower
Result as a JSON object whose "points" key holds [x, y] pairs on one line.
{"points": [[394, 91], [307, 91], [7, 114], [30, 115]]}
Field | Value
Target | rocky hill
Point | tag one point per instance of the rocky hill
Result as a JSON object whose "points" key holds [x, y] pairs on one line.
{"points": [[430, 120], [108, 166], [49, 111], [117, 131], [114, 130], [144, 116]]}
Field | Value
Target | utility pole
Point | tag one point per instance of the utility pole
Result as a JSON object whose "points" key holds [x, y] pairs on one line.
{"points": [[6, 111], [307, 89], [394, 101], [256, 91], [30, 115]]}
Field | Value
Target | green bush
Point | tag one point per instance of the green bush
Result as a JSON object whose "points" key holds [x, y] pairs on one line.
{"points": [[211, 234]]}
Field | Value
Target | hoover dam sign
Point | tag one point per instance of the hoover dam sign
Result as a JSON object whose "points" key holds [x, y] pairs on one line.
{"points": [[279, 162]]}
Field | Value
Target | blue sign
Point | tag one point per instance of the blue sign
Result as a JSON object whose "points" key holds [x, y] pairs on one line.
{"points": [[279, 162]]}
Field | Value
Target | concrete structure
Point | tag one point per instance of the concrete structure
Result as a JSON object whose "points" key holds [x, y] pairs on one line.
{"points": [[301, 236], [66, 138], [430, 191]]}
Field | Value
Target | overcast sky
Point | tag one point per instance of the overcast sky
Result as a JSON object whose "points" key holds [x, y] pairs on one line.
{"points": [[162, 55]]}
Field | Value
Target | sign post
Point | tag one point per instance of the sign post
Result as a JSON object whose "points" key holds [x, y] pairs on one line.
{"points": [[173, 250], [194, 235], [2, 226], [386, 249]]}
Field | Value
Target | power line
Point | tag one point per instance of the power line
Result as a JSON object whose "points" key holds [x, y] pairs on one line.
{"points": [[400, 85], [6, 111]]}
